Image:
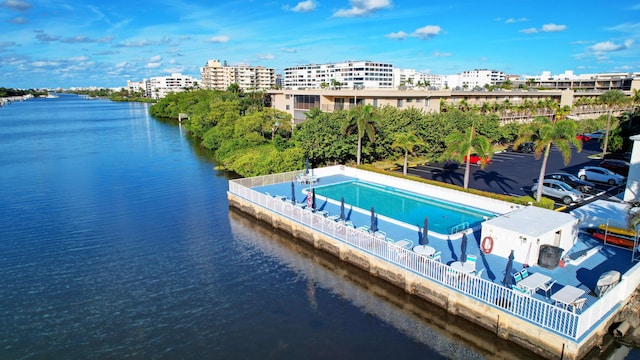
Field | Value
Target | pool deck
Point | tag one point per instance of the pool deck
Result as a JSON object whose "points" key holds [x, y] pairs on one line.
{"points": [[587, 259]]}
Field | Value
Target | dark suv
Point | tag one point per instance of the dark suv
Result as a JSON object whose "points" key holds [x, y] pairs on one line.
{"points": [[583, 186], [526, 147]]}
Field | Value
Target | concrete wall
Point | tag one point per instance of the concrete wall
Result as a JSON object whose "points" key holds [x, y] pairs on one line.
{"points": [[505, 325]]}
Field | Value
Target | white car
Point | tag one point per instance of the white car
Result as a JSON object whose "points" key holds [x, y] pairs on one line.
{"points": [[559, 190], [600, 174]]}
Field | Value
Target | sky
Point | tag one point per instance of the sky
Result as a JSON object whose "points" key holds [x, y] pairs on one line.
{"points": [[65, 44]]}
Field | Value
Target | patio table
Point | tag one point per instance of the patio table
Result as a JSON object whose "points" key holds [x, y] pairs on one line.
{"points": [[532, 282], [465, 267], [401, 243], [567, 295], [425, 250]]}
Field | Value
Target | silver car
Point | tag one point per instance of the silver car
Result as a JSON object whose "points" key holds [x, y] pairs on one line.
{"points": [[559, 190], [599, 174]]}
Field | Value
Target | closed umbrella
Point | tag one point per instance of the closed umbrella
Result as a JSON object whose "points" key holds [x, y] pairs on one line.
{"points": [[293, 192], [313, 198], [424, 240], [306, 166], [508, 279], [342, 209], [463, 248], [374, 222]]}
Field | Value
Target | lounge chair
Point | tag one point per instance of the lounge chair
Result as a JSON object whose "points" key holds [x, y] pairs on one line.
{"points": [[524, 272], [520, 290], [578, 304], [437, 256], [471, 259], [547, 287], [517, 277]]}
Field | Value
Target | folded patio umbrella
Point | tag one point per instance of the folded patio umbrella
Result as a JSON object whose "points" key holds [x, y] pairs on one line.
{"points": [[463, 248], [424, 240], [508, 279], [293, 192], [374, 222], [342, 208]]}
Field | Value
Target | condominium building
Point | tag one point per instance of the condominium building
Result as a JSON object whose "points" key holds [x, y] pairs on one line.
{"points": [[159, 86], [479, 78], [345, 75], [218, 76]]}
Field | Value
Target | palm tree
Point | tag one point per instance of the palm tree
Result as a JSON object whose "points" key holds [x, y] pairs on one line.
{"points": [[611, 99], [460, 145], [407, 142], [544, 133], [361, 119]]}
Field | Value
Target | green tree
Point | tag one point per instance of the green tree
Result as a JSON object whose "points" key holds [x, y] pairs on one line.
{"points": [[611, 99], [406, 141], [361, 120], [459, 147], [544, 133]]}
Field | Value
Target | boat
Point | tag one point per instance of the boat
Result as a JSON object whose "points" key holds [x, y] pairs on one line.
{"points": [[614, 239], [617, 230]]}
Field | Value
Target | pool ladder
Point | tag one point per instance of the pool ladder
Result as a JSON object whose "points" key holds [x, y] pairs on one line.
{"points": [[459, 227]]}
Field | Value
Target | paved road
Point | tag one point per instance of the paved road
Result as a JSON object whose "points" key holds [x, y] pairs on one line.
{"points": [[509, 172]]}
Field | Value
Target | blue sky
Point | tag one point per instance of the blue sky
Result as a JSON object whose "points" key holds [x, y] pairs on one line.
{"points": [[105, 43]]}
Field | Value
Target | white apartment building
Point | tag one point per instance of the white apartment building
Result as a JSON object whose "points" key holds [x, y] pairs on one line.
{"points": [[158, 87], [478, 78], [350, 75], [412, 79], [217, 76]]}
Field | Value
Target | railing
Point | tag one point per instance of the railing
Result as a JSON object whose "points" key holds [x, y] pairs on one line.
{"points": [[457, 228], [538, 312]]}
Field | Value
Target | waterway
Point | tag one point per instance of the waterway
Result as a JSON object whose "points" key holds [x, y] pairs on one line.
{"points": [[116, 241]]}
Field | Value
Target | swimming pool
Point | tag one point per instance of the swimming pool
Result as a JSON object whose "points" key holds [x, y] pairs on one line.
{"points": [[404, 206]]}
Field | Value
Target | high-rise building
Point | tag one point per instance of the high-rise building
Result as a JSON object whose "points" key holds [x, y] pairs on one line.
{"points": [[344, 75], [218, 76]]}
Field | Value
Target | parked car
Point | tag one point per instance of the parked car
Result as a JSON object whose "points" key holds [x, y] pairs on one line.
{"points": [[476, 159], [617, 166], [585, 187], [626, 156], [599, 174], [559, 190], [583, 137], [596, 135], [526, 147]]}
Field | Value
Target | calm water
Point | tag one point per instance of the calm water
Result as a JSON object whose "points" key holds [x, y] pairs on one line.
{"points": [[117, 242], [403, 206]]}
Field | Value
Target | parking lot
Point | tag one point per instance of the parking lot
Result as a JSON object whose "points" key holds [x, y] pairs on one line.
{"points": [[510, 173]]}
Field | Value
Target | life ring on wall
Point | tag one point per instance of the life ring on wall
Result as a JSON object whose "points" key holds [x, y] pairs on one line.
{"points": [[487, 245]]}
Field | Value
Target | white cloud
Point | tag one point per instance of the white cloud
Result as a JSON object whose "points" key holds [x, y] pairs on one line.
{"points": [[553, 28], [441, 54], [545, 28], [305, 6], [218, 39], [513, 21], [529, 31], [121, 65], [290, 51], [363, 8], [265, 56], [608, 46], [79, 58], [400, 35], [153, 65], [155, 58], [427, 32], [16, 5]]}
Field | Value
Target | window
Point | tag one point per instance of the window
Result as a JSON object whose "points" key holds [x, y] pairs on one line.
{"points": [[399, 103]]}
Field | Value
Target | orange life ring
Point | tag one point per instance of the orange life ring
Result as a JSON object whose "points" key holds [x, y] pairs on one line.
{"points": [[487, 245]]}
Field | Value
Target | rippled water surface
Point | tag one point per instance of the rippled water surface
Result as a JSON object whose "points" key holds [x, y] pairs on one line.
{"points": [[116, 241]]}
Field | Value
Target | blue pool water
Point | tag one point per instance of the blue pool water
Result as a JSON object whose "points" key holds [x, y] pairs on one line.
{"points": [[407, 207]]}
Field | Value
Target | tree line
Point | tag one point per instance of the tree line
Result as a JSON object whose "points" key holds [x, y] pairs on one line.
{"points": [[250, 138]]}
